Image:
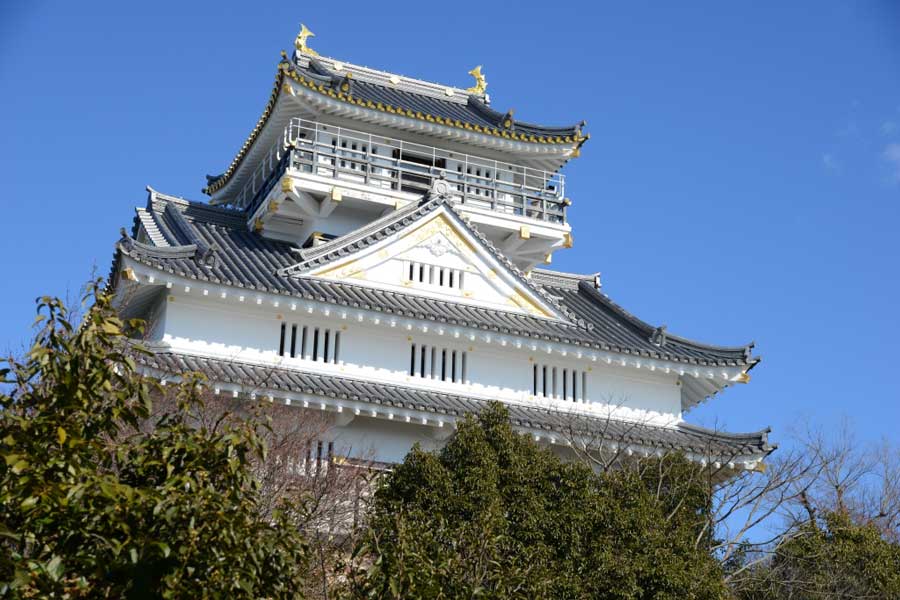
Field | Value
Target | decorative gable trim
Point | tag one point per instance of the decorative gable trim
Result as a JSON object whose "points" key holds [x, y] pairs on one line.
{"points": [[343, 258]]}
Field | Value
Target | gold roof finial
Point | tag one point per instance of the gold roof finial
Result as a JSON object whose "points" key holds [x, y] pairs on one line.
{"points": [[480, 82], [300, 42]]}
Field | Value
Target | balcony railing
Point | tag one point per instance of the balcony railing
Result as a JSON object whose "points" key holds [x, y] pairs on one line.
{"points": [[395, 165]]}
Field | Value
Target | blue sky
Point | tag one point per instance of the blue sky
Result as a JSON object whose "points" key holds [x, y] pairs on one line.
{"points": [[742, 181]]}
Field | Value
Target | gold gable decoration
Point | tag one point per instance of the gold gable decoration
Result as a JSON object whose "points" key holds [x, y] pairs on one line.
{"points": [[301, 42], [441, 225], [480, 86]]}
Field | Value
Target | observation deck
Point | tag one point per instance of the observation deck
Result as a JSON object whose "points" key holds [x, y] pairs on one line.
{"points": [[315, 168]]}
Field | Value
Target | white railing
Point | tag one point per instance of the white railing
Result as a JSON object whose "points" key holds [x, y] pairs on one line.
{"points": [[391, 164]]}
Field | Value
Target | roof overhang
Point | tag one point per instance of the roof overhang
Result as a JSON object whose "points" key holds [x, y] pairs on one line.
{"points": [[727, 453], [294, 95]]}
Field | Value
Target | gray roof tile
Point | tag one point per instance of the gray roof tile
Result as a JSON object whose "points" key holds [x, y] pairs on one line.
{"points": [[239, 257]]}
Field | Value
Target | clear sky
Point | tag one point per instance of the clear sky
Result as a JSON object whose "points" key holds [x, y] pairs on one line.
{"points": [[742, 181]]}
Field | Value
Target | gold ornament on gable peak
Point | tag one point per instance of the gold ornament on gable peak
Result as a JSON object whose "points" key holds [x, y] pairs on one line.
{"points": [[480, 86], [301, 42]]}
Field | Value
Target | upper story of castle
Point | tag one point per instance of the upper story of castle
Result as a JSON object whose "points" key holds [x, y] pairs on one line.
{"points": [[340, 145]]}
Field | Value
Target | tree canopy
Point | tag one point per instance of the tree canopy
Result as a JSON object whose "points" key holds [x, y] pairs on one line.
{"points": [[94, 503], [494, 515], [830, 557]]}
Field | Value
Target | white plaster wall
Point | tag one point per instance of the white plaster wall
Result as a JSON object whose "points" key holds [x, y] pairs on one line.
{"points": [[251, 332], [381, 440]]}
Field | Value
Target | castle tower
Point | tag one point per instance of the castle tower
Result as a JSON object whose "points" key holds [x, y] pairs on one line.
{"points": [[372, 253]]}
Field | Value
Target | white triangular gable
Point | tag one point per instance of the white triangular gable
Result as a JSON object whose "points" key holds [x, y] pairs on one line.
{"points": [[437, 256]]}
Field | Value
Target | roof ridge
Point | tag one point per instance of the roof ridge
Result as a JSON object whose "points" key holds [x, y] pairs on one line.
{"points": [[128, 245], [563, 279], [374, 75], [185, 207]]}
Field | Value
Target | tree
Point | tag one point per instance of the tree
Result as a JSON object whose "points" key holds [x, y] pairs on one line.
{"points": [[843, 528], [494, 515], [742, 500], [829, 558], [94, 503]]}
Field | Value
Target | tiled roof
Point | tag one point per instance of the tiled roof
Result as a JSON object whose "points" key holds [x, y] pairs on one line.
{"points": [[473, 115], [259, 379], [237, 256], [473, 111]]}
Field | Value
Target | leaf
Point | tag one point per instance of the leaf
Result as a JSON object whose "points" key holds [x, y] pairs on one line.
{"points": [[55, 568], [61, 435], [110, 328], [134, 555], [20, 466]]}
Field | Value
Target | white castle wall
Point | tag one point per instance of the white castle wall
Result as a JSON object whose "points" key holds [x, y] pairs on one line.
{"points": [[251, 333]]}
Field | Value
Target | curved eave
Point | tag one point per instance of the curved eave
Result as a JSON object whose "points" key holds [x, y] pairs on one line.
{"points": [[742, 354], [217, 183], [558, 149]]}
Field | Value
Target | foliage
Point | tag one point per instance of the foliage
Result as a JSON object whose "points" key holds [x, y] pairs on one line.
{"points": [[827, 558], [94, 503], [493, 515]]}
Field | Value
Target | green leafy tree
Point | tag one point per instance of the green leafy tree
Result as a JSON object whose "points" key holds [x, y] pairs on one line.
{"points": [[830, 557], [493, 515], [96, 503]]}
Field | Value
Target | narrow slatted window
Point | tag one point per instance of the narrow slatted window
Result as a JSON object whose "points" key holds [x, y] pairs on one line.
{"points": [[293, 341], [422, 361], [335, 356], [307, 459], [433, 362], [438, 363], [315, 345], [583, 387], [574, 386], [559, 382], [325, 345], [303, 339], [281, 341], [318, 456]]}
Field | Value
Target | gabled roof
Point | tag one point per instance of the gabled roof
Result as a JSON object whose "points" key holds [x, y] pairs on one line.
{"points": [[239, 257], [467, 112], [258, 379], [376, 231]]}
